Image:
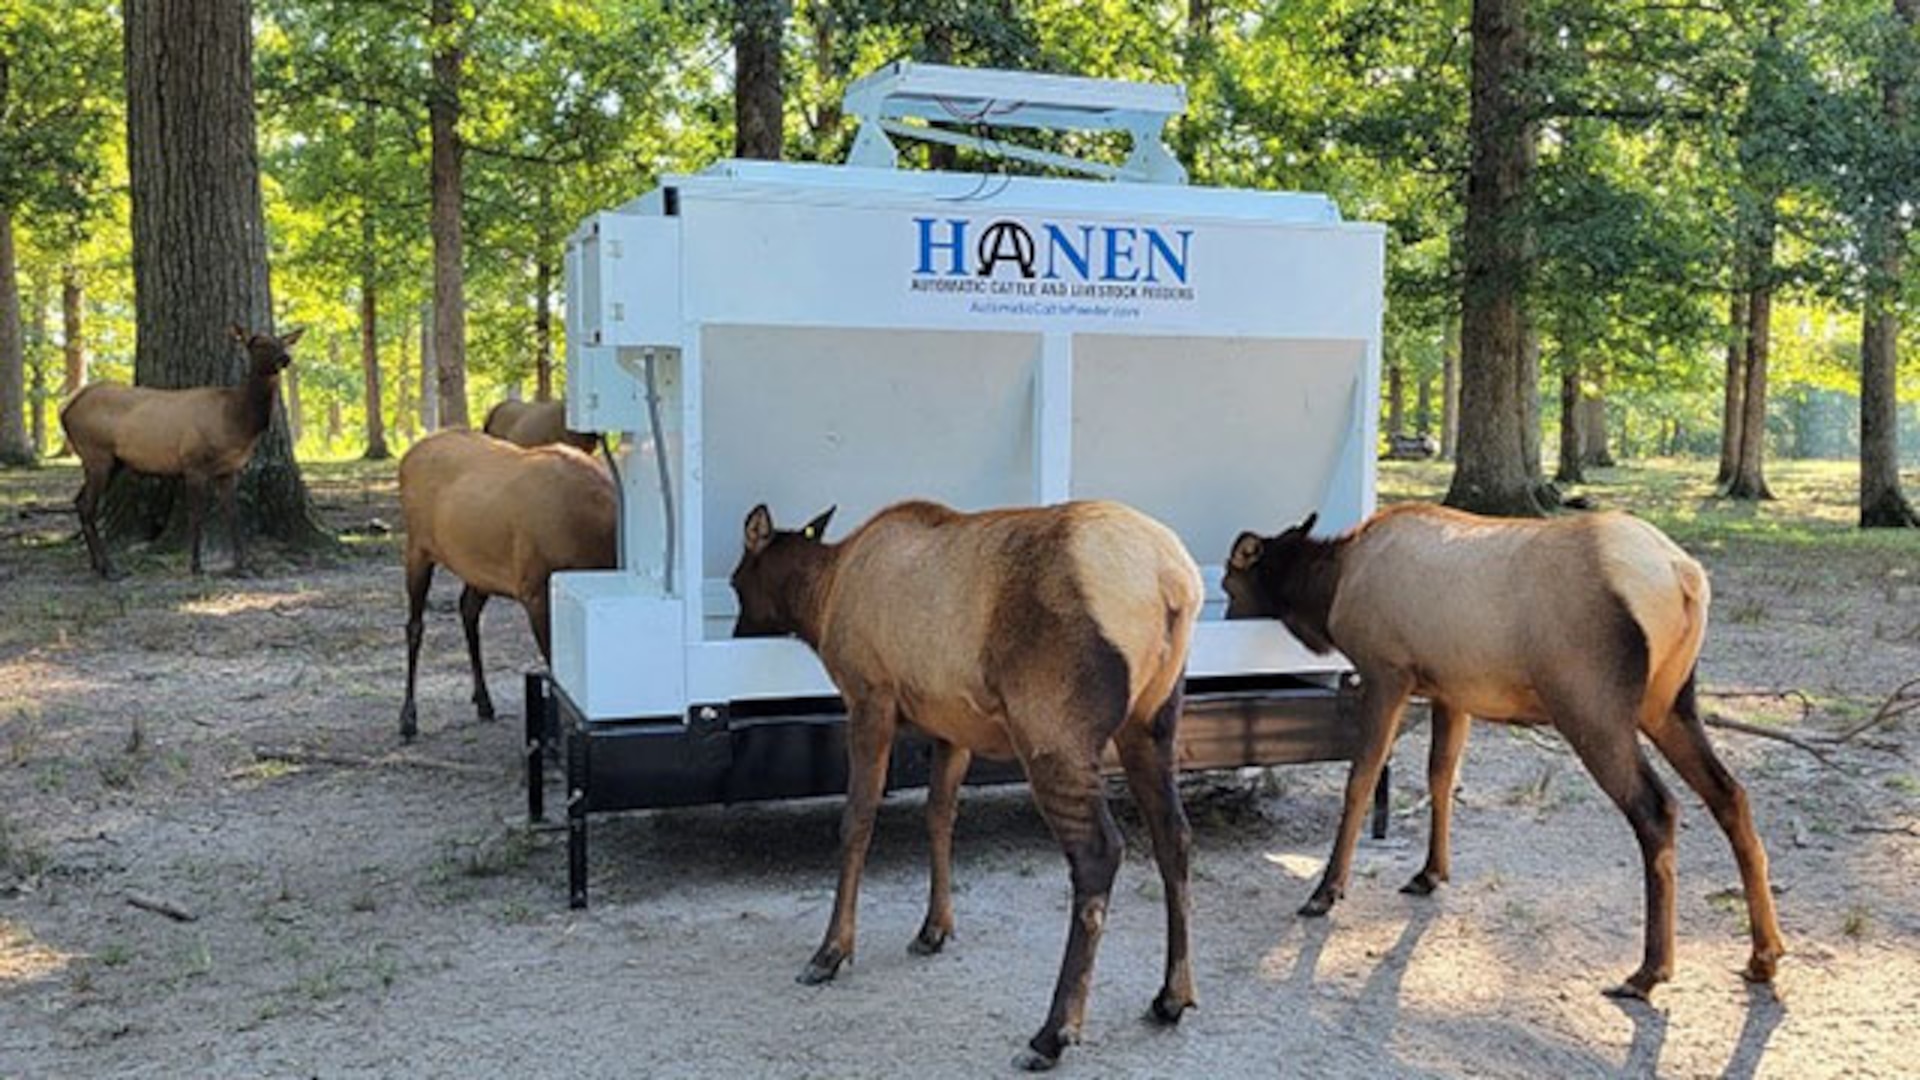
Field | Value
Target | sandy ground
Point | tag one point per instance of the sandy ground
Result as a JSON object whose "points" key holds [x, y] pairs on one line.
{"points": [[392, 920]]}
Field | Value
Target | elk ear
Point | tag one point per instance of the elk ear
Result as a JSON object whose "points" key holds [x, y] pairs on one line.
{"points": [[759, 529], [1246, 551], [237, 333], [1306, 526], [291, 336], [817, 528]]}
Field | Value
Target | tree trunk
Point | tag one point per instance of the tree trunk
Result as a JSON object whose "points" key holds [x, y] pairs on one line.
{"points": [[15, 449], [543, 329], [73, 334], [1492, 475], [1882, 503], [295, 417], [1396, 398], [37, 367], [449, 285], [370, 290], [429, 374], [199, 243], [759, 99], [334, 425], [1572, 442], [1423, 404], [1749, 476], [1596, 448], [1733, 407], [936, 35], [1450, 392], [1528, 392]]}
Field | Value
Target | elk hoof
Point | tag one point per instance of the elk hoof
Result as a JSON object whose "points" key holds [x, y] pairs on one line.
{"points": [[409, 722], [1043, 1052], [1031, 1060], [113, 573], [1319, 903], [1422, 884], [484, 706], [1761, 967], [930, 940], [1168, 1007], [822, 968], [1638, 987]]}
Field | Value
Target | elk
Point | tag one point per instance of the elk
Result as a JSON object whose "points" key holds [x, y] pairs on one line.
{"points": [[1037, 634], [1592, 624], [503, 518], [535, 423], [205, 435]]}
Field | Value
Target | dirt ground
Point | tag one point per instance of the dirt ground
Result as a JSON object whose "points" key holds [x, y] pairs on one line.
{"points": [[398, 919]]}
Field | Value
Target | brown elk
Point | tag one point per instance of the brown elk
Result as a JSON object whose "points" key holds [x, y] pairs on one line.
{"points": [[1592, 624], [535, 423], [503, 518], [204, 435], [1036, 634]]}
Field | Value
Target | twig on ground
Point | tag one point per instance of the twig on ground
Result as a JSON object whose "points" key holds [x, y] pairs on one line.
{"points": [[1909, 829], [299, 755], [160, 906], [1719, 721], [1904, 699]]}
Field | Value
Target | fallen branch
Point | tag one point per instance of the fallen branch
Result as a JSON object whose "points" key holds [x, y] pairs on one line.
{"points": [[1897, 830], [161, 907], [1904, 699], [1719, 721], [299, 755]]}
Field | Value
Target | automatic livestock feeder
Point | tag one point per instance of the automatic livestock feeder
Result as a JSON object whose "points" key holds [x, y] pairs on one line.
{"points": [[812, 335]]}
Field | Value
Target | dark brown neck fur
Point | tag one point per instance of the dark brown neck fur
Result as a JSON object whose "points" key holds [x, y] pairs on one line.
{"points": [[810, 582], [1302, 589], [255, 400]]}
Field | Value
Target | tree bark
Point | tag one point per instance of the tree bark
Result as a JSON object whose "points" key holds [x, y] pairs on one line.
{"points": [[1396, 398], [1882, 503], [759, 98], [1450, 392], [1572, 441], [15, 449], [449, 284], [199, 243], [1492, 475], [37, 367], [1423, 404], [1749, 474], [370, 290], [1733, 407], [72, 329], [543, 329], [1596, 447], [403, 416]]}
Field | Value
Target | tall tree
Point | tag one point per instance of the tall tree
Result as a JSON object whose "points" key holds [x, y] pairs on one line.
{"points": [[370, 286], [759, 92], [1882, 503], [16, 448], [1733, 410], [447, 32], [199, 239], [1492, 475]]}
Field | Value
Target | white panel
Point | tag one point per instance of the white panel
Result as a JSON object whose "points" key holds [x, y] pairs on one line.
{"points": [[630, 272], [1213, 436], [602, 394], [617, 648], [1254, 647], [755, 668], [806, 419]]}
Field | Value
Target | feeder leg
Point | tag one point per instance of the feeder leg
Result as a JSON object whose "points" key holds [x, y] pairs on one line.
{"points": [[535, 714], [577, 763]]}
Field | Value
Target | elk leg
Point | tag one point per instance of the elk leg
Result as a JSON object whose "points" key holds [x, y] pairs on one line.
{"points": [[870, 728], [1611, 752], [1146, 751], [228, 487], [540, 619], [1070, 797], [1381, 699], [87, 505], [419, 580], [472, 602], [943, 806], [196, 519], [1683, 742], [1449, 733]]}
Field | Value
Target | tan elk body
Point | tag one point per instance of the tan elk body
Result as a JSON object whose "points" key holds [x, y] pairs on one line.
{"points": [[503, 519], [535, 423], [1036, 634], [204, 435], [1592, 624]]}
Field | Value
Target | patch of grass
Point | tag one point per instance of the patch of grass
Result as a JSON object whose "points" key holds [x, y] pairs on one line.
{"points": [[1749, 611], [53, 777], [24, 731], [516, 913], [1904, 783], [1857, 921], [115, 955], [21, 855]]}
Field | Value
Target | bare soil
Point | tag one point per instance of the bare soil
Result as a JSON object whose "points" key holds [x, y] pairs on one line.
{"points": [[394, 919]]}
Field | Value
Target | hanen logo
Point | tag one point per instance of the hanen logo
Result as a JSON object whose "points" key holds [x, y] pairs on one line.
{"points": [[1053, 268]]}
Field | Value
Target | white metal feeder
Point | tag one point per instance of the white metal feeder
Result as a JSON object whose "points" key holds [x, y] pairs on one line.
{"points": [[807, 335]]}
